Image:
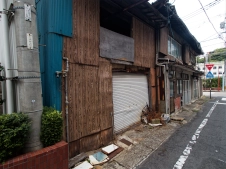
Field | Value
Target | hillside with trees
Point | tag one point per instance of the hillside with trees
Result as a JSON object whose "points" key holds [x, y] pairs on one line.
{"points": [[217, 55]]}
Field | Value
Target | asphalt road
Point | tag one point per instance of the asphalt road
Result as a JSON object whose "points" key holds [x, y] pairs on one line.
{"points": [[200, 144]]}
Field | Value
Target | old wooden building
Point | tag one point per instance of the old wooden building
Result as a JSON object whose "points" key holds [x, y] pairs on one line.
{"points": [[113, 58]]}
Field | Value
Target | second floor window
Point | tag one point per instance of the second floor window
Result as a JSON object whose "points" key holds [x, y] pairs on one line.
{"points": [[174, 48]]}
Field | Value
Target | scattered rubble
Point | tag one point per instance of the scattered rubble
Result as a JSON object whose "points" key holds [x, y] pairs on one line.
{"points": [[95, 160], [152, 117], [177, 118], [98, 158], [109, 149], [84, 165]]}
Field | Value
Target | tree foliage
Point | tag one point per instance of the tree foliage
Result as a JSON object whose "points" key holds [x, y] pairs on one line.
{"points": [[218, 55], [200, 60]]}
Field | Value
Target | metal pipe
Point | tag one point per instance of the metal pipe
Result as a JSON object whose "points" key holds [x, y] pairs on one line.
{"points": [[4, 55], [66, 100]]}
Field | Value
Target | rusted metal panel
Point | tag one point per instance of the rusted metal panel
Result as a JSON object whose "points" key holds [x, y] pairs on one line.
{"points": [[116, 46], [83, 47], [106, 136], [152, 89], [91, 142], [105, 93], [164, 41], [83, 101], [144, 38]]}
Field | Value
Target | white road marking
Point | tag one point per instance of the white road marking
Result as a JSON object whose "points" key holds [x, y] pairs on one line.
{"points": [[218, 103], [182, 159], [222, 160]]}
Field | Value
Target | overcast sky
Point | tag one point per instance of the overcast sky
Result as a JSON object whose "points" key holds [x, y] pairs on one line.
{"points": [[197, 22]]}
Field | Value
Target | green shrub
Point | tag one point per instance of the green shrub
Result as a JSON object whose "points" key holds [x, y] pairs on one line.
{"points": [[14, 130], [214, 82], [51, 127]]}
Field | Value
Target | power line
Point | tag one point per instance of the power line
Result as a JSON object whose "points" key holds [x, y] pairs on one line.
{"points": [[195, 13], [211, 44], [210, 36], [210, 20], [209, 40]]}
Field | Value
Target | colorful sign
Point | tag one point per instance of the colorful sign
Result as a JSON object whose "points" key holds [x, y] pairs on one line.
{"points": [[209, 75], [209, 66]]}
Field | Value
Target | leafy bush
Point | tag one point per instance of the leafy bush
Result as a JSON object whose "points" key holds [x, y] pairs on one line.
{"points": [[51, 127], [14, 130], [214, 82]]}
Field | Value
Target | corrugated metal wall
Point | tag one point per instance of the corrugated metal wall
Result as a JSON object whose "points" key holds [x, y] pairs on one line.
{"points": [[54, 22]]}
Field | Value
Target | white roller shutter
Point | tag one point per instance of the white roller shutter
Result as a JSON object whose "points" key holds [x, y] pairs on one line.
{"points": [[130, 95]]}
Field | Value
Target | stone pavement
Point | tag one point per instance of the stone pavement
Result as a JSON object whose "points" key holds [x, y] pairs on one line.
{"points": [[147, 139]]}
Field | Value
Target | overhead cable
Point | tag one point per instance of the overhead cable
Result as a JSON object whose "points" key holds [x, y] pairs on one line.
{"points": [[210, 21], [206, 7]]}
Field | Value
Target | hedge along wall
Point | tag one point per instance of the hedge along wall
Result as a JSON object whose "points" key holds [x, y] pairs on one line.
{"points": [[53, 157]]}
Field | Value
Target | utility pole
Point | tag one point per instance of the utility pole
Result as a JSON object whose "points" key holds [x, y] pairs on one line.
{"points": [[27, 76]]}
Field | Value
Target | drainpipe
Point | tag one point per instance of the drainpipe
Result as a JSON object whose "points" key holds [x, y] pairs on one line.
{"points": [[64, 74], [7, 86], [66, 95], [161, 65]]}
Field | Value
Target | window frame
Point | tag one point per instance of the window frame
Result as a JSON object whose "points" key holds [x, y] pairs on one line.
{"points": [[174, 48]]}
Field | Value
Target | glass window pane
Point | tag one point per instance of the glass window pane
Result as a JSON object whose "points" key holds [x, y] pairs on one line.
{"points": [[181, 86], [169, 44], [171, 89]]}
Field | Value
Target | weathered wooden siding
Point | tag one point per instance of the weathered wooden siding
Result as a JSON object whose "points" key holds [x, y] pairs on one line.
{"points": [[83, 101], [90, 106], [163, 48], [83, 47], [105, 93], [144, 39]]}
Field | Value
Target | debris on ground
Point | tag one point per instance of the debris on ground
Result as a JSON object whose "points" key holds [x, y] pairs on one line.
{"points": [[149, 116], [155, 125], [77, 159], [177, 118], [165, 118], [98, 158], [84, 165], [109, 149]]}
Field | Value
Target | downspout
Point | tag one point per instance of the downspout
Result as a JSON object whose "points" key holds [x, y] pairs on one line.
{"points": [[66, 100], [7, 86], [64, 74], [161, 65]]}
